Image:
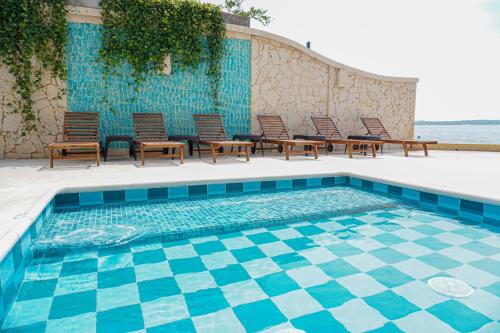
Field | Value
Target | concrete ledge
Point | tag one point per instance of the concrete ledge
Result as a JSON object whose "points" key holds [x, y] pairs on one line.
{"points": [[466, 147]]}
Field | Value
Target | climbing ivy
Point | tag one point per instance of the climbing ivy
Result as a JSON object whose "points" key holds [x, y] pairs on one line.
{"points": [[143, 32], [33, 37]]}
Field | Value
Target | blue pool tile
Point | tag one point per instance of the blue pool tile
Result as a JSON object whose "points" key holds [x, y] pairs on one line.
{"points": [[488, 265], [251, 186], [290, 260], [284, 184], [246, 314], [389, 255], [367, 185], [327, 181], [113, 250], [449, 203], [313, 182], [459, 316], [216, 189], [432, 243], [330, 294], [114, 196], [91, 198], [439, 261], [355, 182], [36, 289], [150, 290], [322, 321], [344, 249], [492, 214], [390, 305], [136, 195], [229, 274], [430, 198], [470, 233], [277, 284], [205, 301], [338, 268], [388, 239], [494, 288], [188, 265], [411, 194], [195, 190], [387, 328], [428, 230], [395, 190], [73, 304], [157, 193], [268, 185], [309, 230], [123, 319], [248, 253], [209, 247], [390, 276], [67, 200], [234, 187], [380, 187], [116, 277], [79, 267], [31, 328], [299, 244], [341, 180], [263, 238], [180, 326], [149, 257], [299, 183], [178, 192]]}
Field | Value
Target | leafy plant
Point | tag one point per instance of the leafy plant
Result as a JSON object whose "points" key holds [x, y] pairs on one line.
{"points": [[143, 32], [32, 31], [236, 7]]}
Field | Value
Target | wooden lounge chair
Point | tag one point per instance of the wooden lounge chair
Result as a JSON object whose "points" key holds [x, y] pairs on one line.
{"points": [[375, 127], [80, 138], [150, 134], [274, 131], [211, 132], [326, 127]]}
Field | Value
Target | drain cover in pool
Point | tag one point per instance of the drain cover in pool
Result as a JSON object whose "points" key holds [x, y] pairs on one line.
{"points": [[450, 287]]}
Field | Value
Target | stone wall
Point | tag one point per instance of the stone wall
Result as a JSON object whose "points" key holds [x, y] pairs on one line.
{"points": [[296, 84]]}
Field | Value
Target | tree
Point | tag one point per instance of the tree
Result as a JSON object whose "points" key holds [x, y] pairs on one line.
{"points": [[236, 7]]}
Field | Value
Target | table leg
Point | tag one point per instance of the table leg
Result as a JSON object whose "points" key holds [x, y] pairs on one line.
{"points": [[181, 155], [426, 152], [247, 153], [198, 147], [98, 155], [262, 147], [214, 156], [405, 149], [285, 147], [51, 152], [106, 146], [374, 150], [142, 154], [315, 147], [349, 147]]}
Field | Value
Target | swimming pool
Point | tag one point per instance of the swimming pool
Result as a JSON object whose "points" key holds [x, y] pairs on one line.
{"points": [[318, 254]]}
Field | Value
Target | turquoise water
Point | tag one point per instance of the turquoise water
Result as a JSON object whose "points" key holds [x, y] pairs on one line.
{"points": [[459, 133], [326, 269]]}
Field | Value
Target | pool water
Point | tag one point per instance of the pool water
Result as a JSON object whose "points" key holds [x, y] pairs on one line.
{"points": [[342, 271]]}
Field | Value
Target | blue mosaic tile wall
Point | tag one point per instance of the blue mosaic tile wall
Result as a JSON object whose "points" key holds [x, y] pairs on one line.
{"points": [[178, 96]]}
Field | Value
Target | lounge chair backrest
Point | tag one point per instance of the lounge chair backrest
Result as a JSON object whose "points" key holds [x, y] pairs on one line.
{"points": [[81, 126], [273, 128], [149, 127], [210, 127], [327, 128], [375, 127]]}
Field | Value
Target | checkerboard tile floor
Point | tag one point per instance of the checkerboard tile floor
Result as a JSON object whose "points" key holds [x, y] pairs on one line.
{"points": [[358, 273]]}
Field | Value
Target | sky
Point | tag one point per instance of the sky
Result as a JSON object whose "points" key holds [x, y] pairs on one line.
{"points": [[452, 46]]}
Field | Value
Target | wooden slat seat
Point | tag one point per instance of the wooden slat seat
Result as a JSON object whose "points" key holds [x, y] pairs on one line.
{"points": [[326, 127], [151, 137], [80, 138], [375, 127], [274, 131], [211, 132]]}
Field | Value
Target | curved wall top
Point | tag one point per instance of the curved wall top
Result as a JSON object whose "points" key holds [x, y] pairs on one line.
{"points": [[93, 15]]}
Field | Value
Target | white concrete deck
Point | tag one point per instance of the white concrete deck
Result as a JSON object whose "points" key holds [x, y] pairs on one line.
{"points": [[26, 186]]}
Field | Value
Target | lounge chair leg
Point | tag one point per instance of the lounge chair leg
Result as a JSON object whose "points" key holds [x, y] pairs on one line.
{"points": [[315, 147], [247, 153], [199, 151], [349, 147], [98, 155], [405, 148], [214, 158], [426, 152], [285, 147], [181, 155], [374, 150], [142, 154], [51, 152]]}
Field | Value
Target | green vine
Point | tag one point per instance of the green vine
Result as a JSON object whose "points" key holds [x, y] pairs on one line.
{"points": [[32, 30], [143, 32]]}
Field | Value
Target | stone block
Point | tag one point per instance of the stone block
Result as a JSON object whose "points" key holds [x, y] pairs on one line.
{"points": [[12, 122]]}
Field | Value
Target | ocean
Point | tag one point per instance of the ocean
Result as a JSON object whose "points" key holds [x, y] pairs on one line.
{"points": [[459, 133]]}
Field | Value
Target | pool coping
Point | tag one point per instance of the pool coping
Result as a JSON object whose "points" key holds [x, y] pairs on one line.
{"points": [[24, 221]]}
